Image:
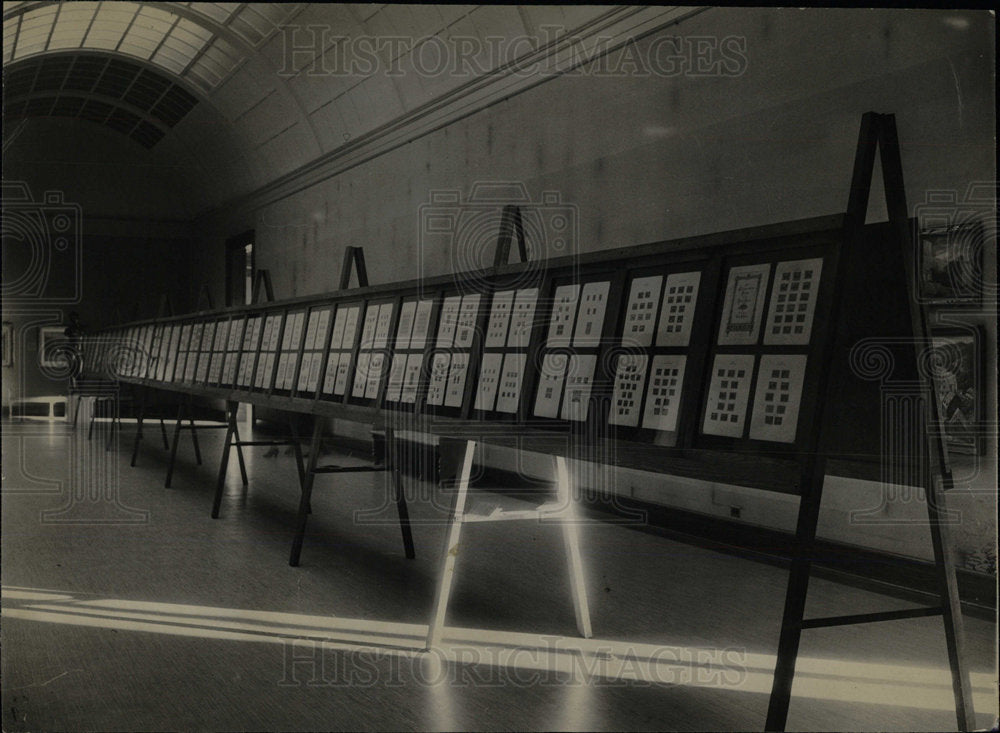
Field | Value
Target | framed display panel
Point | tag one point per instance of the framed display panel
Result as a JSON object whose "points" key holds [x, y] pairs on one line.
{"points": [[758, 380], [406, 386], [454, 353], [180, 358], [145, 360], [572, 383], [504, 371], [173, 349], [149, 345], [218, 352], [148, 353], [144, 352], [289, 351], [204, 351], [183, 348], [267, 355], [197, 329], [152, 349], [660, 345], [253, 337], [231, 361], [344, 335], [368, 378], [315, 347], [158, 353], [126, 356]]}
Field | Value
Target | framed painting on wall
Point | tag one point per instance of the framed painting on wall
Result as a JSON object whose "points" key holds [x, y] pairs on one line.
{"points": [[958, 369], [52, 347], [951, 265], [7, 355]]}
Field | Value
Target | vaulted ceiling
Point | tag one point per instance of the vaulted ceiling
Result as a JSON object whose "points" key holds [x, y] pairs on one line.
{"points": [[238, 96]]}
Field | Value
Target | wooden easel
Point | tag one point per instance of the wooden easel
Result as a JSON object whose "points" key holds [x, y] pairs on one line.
{"points": [[561, 511], [877, 130], [101, 393], [203, 302], [354, 260], [511, 227], [166, 308], [262, 286]]}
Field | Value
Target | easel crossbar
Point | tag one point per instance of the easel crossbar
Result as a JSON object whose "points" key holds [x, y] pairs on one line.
{"points": [[864, 618]]}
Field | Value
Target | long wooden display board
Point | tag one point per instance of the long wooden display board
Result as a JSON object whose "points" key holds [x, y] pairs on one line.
{"points": [[699, 357], [756, 357]]}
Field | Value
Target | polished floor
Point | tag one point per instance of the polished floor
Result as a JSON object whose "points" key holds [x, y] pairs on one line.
{"points": [[126, 607]]}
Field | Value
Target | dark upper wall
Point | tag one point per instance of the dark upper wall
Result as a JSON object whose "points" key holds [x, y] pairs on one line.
{"points": [[650, 157], [107, 174], [128, 241]]}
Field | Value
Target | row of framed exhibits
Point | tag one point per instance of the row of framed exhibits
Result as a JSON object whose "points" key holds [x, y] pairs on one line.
{"points": [[710, 347], [626, 348]]}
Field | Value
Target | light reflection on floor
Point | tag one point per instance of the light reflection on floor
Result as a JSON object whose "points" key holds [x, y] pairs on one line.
{"points": [[584, 661]]}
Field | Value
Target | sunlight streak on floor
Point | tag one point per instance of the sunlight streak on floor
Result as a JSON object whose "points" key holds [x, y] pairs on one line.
{"points": [[586, 661]]}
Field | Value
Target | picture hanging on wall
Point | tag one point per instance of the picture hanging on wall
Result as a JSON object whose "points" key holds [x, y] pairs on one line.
{"points": [[957, 369], [52, 345], [951, 265], [8, 344]]}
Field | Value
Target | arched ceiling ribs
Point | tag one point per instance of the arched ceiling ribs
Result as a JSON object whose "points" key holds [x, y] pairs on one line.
{"points": [[201, 44], [129, 96]]}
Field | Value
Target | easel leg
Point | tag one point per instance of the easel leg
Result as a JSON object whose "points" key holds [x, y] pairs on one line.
{"points": [[795, 598], [163, 434], [138, 431], [220, 484], [93, 418], [451, 549], [173, 445], [307, 487], [116, 423], [299, 463], [571, 539], [194, 440], [239, 455], [398, 495], [953, 627], [297, 447]]}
